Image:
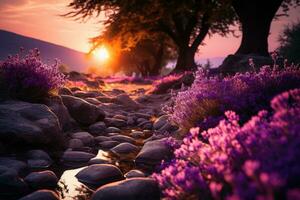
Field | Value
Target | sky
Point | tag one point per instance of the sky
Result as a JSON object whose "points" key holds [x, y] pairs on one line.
{"points": [[41, 19]]}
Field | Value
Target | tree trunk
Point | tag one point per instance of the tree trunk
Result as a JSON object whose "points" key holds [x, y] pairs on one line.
{"points": [[256, 17], [185, 60], [158, 57]]}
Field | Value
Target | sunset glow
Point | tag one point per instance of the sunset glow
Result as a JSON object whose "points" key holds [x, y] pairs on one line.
{"points": [[101, 54]]}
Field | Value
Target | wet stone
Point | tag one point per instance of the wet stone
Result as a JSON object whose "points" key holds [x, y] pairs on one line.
{"points": [[99, 174], [41, 180]]}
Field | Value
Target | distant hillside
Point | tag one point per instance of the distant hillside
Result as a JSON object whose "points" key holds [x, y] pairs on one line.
{"points": [[10, 43]]}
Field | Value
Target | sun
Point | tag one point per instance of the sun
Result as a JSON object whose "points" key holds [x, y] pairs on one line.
{"points": [[101, 54]]}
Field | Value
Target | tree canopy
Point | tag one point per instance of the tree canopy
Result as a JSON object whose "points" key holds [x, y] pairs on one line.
{"points": [[186, 23]]}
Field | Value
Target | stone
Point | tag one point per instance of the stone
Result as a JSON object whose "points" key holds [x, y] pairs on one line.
{"points": [[145, 125], [85, 137], [18, 166], [60, 110], [137, 134], [122, 138], [99, 174], [113, 130], [123, 117], [112, 134], [114, 122], [134, 173], [97, 161], [125, 100], [38, 159], [129, 189], [41, 180], [108, 144], [124, 148], [41, 195], [160, 122], [153, 152], [10, 183], [24, 125], [75, 143], [102, 138], [82, 111], [97, 128], [104, 99], [65, 91], [93, 101], [86, 94], [76, 157]]}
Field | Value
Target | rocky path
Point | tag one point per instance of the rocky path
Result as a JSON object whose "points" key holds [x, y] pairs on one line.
{"points": [[113, 139]]}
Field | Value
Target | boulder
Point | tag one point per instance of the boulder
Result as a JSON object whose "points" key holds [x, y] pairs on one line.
{"points": [[99, 174], [60, 110], [41, 180], [65, 91], [153, 152], [102, 138], [82, 111], [41, 195], [129, 189], [24, 125]]}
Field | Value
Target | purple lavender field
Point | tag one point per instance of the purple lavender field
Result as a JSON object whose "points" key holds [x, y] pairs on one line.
{"points": [[154, 105]]}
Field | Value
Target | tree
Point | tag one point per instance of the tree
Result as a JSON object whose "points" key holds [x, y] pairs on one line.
{"points": [[290, 43], [255, 17], [186, 23]]}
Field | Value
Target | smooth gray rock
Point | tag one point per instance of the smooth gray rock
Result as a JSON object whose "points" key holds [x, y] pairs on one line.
{"points": [[108, 144], [124, 148], [137, 134], [129, 189], [97, 128], [112, 130], [122, 138], [99, 174], [134, 174], [102, 138], [18, 166], [82, 111], [60, 110], [160, 122], [41, 195], [153, 152], [114, 122], [125, 100], [85, 137], [75, 143], [26, 125], [11, 183], [41, 180], [38, 159], [76, 156]]}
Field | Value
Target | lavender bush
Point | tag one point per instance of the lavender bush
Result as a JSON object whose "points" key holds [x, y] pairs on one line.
{"points": [[258, 160], [204, 103], [28, 78]]}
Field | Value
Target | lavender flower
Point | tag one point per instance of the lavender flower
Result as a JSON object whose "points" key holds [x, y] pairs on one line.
{"points": [[28, 78], [257, 160]]}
